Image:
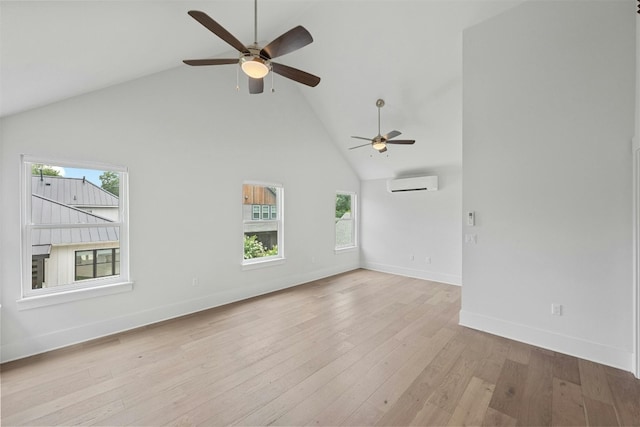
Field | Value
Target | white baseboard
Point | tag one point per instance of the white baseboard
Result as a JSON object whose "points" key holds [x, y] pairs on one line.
{"points": [[434, 276], [42, 343], [610, 356]]}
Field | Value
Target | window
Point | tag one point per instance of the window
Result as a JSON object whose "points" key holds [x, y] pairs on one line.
{"points": [[74, 226], [345, 220], [262, 222], [268, 212], [97, 263]]}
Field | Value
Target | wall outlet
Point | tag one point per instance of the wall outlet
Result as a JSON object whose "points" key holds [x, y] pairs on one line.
{"points": [[195, 282], [411, 257], [556, 309], [471, 238]]}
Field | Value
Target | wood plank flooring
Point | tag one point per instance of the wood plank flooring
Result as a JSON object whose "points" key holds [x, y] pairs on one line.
{"points": [[360, 348]]}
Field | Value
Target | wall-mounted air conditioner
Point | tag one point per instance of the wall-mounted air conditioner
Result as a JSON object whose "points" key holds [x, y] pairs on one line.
{"points": [[419, 183]]}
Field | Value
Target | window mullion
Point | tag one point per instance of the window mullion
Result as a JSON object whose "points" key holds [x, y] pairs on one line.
{"points": [[33, 226], [95, 263]]}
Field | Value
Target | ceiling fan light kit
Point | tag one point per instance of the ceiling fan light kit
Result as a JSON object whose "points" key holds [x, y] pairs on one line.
{"points": [[379, 142], [254, 61], [254, 66]]}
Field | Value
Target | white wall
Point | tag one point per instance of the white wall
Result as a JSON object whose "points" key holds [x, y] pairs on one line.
{"points": [[189, 141], [547, 128], [401, 230]]}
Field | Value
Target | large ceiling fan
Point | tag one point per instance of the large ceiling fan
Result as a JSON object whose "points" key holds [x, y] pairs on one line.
{"points": [[257, 62], [380, 142]]}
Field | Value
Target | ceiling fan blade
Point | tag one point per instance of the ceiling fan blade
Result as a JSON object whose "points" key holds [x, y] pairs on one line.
{"points": [[290, 41], [392, 134], [358, 146], [256, 85], [361, 137], [382, 150], [402, 141], [221, 61], [295, 74], [218, 30]]}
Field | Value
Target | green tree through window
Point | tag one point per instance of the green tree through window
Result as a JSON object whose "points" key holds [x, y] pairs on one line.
{"points": [[343, 204], [111, 182], [37, 168]]}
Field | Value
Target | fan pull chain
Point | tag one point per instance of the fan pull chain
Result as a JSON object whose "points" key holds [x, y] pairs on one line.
{"points": [[272, 89], [238, 79]]}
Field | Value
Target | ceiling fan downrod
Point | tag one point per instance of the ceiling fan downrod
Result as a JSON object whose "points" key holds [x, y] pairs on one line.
{"points": [[255, 22], [379, 104]]}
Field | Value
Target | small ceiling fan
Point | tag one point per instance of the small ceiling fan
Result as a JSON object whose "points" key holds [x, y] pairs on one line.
{"points": [[257, 62], [380, 142]]}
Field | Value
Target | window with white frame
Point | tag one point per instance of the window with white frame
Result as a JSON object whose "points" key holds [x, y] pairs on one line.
{"points": [[74, 226], [345, 220], [262, 222]]}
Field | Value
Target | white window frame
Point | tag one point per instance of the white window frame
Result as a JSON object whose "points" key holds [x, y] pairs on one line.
{"points": [[76, 290], [248, 264], [354, 219]]}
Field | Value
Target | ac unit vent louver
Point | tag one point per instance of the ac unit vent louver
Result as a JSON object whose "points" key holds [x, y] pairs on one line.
{"points": [[419, 183]]}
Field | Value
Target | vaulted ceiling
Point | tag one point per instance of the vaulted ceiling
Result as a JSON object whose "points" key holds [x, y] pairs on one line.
{"points": [[407, 52]]}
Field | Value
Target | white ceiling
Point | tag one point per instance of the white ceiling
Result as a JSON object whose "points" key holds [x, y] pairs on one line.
{"points": [[407, 52]]}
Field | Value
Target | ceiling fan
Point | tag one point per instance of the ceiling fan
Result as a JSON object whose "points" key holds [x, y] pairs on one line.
{"points": [[380, 142], [256, 62]]}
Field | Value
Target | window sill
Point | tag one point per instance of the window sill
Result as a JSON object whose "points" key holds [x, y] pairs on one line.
{"points": [[262, 263], [346, 249], [37, 301]]}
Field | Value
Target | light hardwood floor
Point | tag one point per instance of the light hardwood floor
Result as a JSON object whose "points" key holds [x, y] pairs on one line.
{"points": [[360, 348]]}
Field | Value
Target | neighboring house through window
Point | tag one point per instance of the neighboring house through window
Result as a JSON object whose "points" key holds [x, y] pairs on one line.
{"points": [[345, 220], [75, 226], [262, 222], [96, 263]]}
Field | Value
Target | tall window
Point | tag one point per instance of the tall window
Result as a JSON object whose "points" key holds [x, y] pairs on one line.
{"points": [[74, 226], [262, 222], [345, 220]]}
